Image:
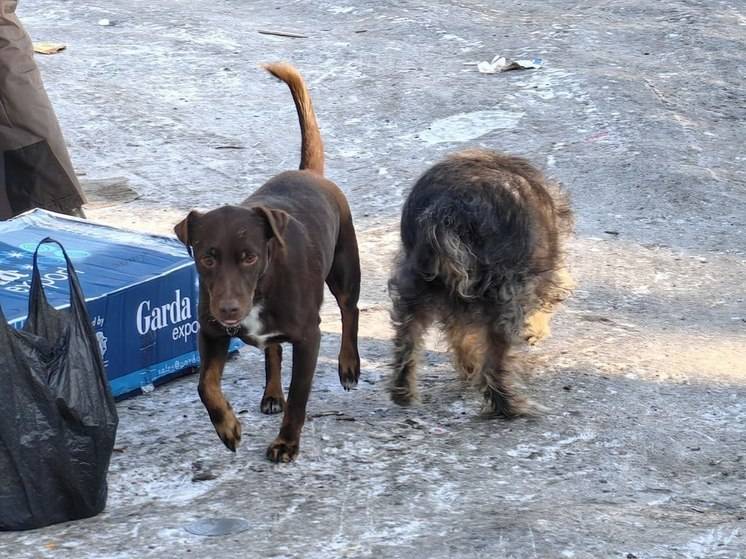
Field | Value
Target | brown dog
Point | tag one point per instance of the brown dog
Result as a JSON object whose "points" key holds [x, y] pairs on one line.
{"points": [[262, 267]]}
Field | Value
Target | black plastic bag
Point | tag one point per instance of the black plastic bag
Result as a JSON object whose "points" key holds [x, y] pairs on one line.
{"points": [[58, 420]]}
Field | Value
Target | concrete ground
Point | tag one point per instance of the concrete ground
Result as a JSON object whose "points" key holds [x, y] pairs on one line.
{"points": [[639, 110]]}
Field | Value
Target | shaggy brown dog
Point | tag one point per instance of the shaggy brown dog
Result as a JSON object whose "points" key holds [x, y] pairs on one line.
{"points": [[482, 255], [262, 266]]}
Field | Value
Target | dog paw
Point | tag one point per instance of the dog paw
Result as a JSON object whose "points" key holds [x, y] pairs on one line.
{"points": [[530, 339], [229, 430], [272, 404], [348, 376], [282, 450], [512, 406], [401, 395], [537, 328], [349, 370]]}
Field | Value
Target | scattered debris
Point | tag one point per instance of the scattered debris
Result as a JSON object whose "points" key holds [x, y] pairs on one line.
{"points": [[595, 318], [203, 476], [282, 34], [217, 526], [327, 413], [102, 193], [201, 473], [44, 47], [502, 64], [413, 423]]}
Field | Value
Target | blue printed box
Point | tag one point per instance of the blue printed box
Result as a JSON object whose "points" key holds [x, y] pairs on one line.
{"points": [[141, 291]]}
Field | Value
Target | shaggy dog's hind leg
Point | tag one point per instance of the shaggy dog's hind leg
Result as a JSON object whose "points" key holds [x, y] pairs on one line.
{"points": [[409, 329], [468, 346], [498, 382]]}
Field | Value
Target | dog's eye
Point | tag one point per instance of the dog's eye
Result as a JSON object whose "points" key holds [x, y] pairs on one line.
{"points": [[208, 261], [248, 259]]}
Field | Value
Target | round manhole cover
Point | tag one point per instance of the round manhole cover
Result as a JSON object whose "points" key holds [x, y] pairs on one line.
{"points": [[217, 526]]}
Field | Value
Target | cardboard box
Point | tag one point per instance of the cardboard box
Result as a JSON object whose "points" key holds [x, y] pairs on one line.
{"points": [[141, 292]]}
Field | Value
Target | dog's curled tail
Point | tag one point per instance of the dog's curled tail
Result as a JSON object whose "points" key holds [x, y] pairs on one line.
{"points": [[312, 148]]}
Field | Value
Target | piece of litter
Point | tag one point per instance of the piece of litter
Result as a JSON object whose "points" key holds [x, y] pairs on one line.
{"points": [[44, 47], [282, 34], [203, 476], [502, 64], [104, 22], [102, 193], [217, 526], [327, 413]]}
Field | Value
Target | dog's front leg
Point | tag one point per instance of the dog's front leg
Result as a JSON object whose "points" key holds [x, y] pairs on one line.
{"points": [[305, 353], [213, 353]]}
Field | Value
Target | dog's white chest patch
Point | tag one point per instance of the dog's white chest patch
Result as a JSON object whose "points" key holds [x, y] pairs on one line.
{"points": [[254, 328]]}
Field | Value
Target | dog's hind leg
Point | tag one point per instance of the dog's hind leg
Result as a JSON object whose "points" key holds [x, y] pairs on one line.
{"points": [[273, 400], [213, 353], [498, 383], [344, 283], [469, 346], [409, 329]]}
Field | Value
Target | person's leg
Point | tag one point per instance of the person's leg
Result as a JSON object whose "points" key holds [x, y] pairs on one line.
{"points": [[36, 167]]}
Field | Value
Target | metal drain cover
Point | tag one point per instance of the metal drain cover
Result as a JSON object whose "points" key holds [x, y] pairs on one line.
{"points": [[217, 526]]}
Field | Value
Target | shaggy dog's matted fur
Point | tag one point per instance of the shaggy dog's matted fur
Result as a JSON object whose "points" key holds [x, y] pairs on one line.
{"points": [[481, 254]]}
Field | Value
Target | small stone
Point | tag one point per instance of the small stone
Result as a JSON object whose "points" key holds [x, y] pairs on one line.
{"points": [[203, 476]]}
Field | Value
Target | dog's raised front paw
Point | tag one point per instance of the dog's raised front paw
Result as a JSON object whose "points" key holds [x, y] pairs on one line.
{"points": [[282, 450], [272, 404], [228, 429], [349, 373]]}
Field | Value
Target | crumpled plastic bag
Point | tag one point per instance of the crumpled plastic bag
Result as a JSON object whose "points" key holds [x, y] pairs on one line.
{"points": [[58, 419]]}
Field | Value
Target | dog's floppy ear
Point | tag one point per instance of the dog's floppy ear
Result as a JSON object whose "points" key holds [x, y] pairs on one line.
{"points": [[184, 228], [277, 221]]}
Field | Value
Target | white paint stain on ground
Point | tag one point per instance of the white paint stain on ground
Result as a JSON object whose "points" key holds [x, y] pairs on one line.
{"points": [[712, 543], [462, 127]]}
